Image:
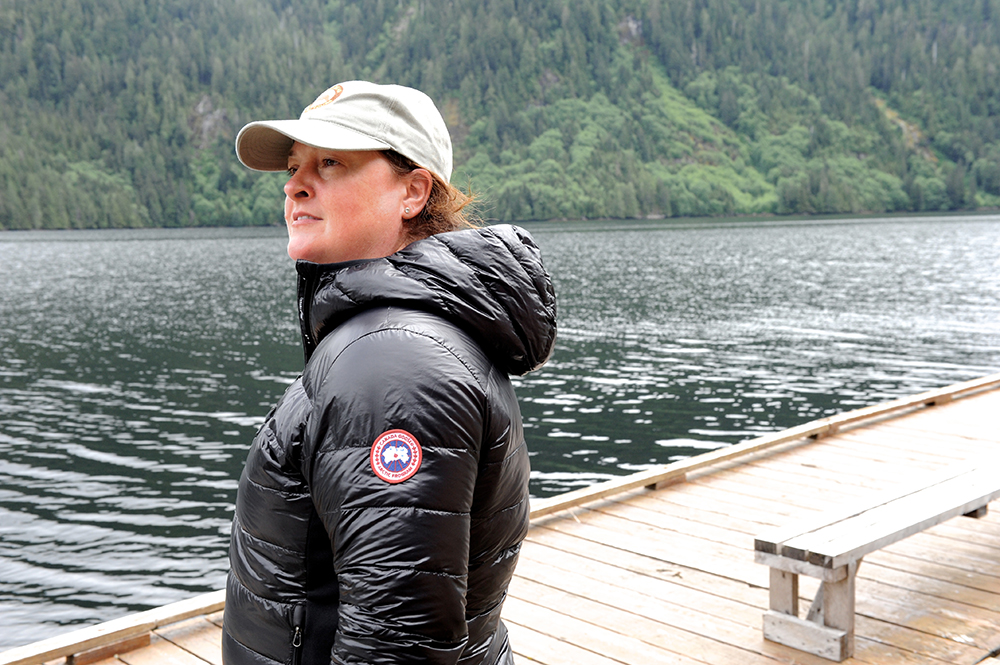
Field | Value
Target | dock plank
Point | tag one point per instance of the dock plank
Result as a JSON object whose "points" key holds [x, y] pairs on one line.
{"points": [[945, 571], [914, 578], [596, 639], [160, 652], [198, 636], [535, 647], [970, 556]]}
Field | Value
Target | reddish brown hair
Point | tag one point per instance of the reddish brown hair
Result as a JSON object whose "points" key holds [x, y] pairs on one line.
{"points": [[447, 207]]}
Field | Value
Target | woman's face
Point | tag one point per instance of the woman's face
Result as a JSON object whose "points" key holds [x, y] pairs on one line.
{"points": [[343, 205]]}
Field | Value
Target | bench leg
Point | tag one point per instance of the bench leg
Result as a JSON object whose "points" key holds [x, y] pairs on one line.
{"points": [[838, 606], [828, 630], [784, 592]]}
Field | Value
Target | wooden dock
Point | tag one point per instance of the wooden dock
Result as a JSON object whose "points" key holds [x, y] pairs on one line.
{"points": [[621, 573]]}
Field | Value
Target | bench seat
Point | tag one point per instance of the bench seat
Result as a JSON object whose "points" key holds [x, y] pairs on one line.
{"points": [[830, 547]]}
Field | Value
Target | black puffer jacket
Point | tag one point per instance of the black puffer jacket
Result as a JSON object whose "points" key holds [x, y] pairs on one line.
{"points": [[384, 499]]}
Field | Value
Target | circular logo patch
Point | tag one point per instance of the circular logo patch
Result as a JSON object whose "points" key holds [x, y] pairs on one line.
{"points": [[329, 95], [396, 456]]}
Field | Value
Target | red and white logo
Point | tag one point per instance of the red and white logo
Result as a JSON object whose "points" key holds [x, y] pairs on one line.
{"points": [[396, 456]]}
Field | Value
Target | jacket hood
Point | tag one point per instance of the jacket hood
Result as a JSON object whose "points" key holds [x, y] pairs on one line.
{"points": [[488, 281]]}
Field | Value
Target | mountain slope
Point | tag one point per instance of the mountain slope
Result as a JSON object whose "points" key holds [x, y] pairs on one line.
{"points": [[123, 113]]}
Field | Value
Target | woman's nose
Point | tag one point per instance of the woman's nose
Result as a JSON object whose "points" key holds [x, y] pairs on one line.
{"points": [[298, 186]]}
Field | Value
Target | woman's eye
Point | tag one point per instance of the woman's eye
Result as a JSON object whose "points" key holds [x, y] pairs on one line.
{"points": [[291, 170], [329, 162]]}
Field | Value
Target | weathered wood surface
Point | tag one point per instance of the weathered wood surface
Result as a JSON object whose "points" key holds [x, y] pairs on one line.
{"points": [[668, 576]]}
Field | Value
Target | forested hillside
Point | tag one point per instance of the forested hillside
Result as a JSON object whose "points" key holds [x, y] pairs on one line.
{"points": [[123, 112]]}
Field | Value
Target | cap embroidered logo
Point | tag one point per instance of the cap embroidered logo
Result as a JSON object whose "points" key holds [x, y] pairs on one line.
{"points": [[396, 456], [329, 95]]}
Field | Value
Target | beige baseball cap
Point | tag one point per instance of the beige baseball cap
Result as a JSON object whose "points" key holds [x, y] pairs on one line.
{"points": [[355, 115]]}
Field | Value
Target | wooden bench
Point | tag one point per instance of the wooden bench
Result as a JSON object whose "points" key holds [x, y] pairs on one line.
{"points": [[830, 547]]}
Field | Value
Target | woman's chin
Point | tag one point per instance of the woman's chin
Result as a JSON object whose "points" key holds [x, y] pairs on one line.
{"points": [[300, 250]]}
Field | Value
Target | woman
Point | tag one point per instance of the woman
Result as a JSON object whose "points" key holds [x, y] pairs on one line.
{"points": [[384, 499]]}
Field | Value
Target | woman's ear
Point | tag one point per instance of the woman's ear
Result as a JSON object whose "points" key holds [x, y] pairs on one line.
{"points": [[418, 189]]}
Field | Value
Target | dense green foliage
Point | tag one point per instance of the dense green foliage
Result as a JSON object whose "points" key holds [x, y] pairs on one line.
{"points": [[123, 112]]}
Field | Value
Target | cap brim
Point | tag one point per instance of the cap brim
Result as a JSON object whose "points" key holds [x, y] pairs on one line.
{"points": [[264, 145]]}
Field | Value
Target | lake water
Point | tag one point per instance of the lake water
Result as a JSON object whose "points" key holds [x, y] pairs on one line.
{"points": [[136, 365]]}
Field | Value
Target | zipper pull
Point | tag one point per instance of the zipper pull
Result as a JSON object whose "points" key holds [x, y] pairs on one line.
{"points": [[298, 617]]}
